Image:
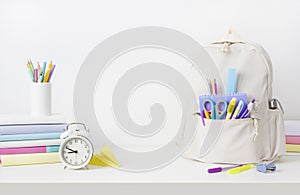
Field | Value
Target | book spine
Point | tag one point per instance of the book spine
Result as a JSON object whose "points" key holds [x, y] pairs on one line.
{"points": [[33, 128], [292, 139], [29, 159], [292, 128], [29, 150], [30, 143], [292, 148], [29, 136]]}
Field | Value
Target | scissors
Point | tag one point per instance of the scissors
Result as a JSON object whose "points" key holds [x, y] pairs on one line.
{"points": [[214, 111], [209, 108], [221, 109]]}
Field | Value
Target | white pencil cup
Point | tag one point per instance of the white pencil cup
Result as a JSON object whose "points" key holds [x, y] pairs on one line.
{"points": [[41, 99]]}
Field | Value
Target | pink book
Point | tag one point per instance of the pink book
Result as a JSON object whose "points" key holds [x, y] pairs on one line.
{"points": [[28, 150], [292, 139]]}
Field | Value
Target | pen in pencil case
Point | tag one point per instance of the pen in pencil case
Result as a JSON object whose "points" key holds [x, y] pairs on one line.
{"points": [[248, 109], [238, 109], [230, 108]]}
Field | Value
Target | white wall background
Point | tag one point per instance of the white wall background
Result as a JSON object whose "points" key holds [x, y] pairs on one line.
{"points": [[66, 31]]}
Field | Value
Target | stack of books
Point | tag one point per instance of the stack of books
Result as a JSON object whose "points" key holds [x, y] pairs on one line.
{"points": [[292, 137], [26, 140]]}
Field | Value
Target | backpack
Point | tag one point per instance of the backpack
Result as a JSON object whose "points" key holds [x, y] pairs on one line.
{"points": [[258, 139]]}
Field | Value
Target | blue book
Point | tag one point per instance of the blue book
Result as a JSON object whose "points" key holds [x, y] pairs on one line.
{"points": [[29, 136], [32, 128]]}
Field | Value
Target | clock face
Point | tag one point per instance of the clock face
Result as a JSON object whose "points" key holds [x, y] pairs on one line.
{"points": [[76, 152]]}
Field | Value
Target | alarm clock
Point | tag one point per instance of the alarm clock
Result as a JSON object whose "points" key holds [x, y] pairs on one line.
{"points": [[76, 150]]}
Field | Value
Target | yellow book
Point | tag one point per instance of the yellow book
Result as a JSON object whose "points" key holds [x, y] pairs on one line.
{"points": [[292, 147], [29, 159]]}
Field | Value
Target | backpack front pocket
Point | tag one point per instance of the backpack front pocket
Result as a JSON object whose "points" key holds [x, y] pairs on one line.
{"points": [[227, 141]]}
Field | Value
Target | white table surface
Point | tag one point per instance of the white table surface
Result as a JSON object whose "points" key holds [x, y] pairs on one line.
{"points": [[181, 171]]}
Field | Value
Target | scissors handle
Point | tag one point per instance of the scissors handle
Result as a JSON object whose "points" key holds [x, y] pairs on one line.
{"points": [[209, 109], [221, 108]]}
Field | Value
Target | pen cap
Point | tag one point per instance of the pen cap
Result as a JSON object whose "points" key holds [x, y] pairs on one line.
{"points": [[214, 170], [41, 99]]}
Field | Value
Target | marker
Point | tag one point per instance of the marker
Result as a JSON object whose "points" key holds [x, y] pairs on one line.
{"points": [[43, 71], [240, 169], [230, 108], [248, 109], [41, 75], [243, 108], [51, 72], [35, 75], [238, 109], [46, 77], [202, 116], [50, 65], [220, 169]]}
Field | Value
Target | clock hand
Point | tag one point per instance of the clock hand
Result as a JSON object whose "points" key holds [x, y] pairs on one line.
{"points": [[72, 151]]}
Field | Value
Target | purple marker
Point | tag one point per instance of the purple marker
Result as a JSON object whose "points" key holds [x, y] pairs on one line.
{"points": [[250, 107], [220, 169], [51, 72], [244, 113], [202, 117]]}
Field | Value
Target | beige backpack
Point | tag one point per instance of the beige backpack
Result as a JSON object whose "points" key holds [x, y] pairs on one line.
{"points": [[257, 139]]}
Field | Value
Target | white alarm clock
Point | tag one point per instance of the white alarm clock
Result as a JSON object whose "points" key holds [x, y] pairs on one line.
{"points": [[76, 150]]}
